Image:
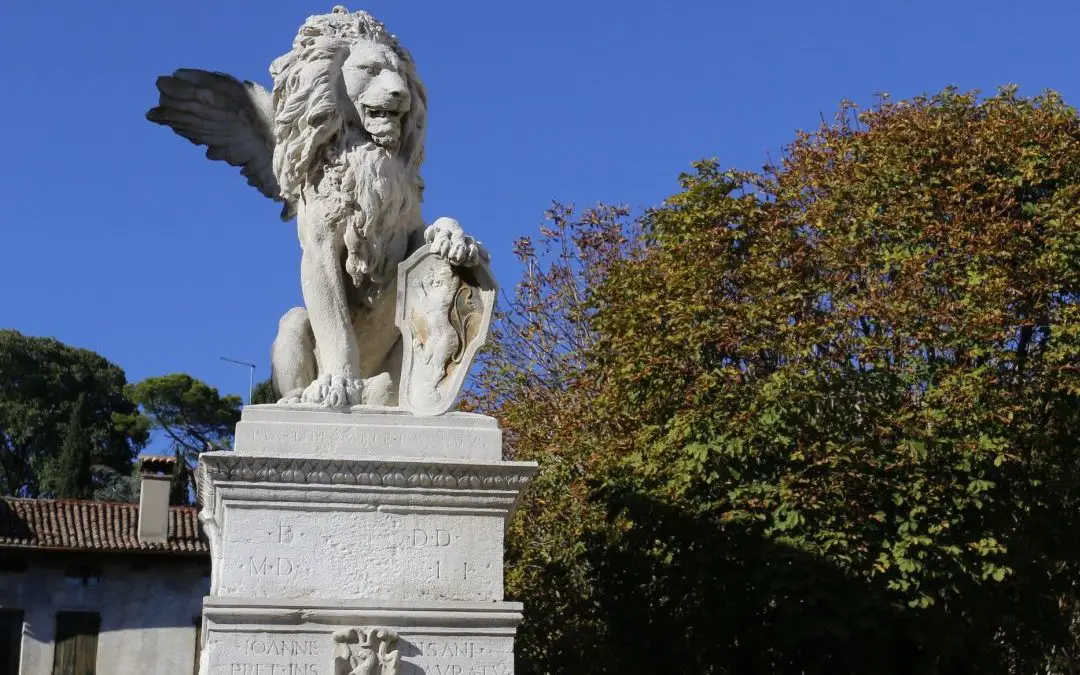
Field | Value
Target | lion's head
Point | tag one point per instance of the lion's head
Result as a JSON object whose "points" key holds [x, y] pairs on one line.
{"points": [[344, 72]]}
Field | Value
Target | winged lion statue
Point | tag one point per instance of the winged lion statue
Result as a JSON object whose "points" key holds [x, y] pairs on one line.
{"points": [[338, 140]]}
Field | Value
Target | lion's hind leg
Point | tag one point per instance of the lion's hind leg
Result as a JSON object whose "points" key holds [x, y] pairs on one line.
{"points": [[292, 357]]}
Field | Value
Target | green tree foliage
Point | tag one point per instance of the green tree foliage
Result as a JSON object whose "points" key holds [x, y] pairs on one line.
{"points": [[114, 486], [192, 415], [531, 377], [41, 384], [69, 476], [264, 393], [823, 418]]}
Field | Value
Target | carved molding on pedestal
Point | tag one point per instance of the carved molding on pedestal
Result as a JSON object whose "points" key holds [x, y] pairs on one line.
{"points": [[377, 473], [366, 651]]}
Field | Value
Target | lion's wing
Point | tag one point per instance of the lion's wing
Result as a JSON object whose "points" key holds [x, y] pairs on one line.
{"points": [[233, 119]]}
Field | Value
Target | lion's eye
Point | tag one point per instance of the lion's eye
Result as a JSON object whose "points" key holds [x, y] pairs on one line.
{"points": [[367, 68]]}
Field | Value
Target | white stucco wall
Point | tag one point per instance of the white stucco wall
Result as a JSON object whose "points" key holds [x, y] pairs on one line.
{"points": [[146, 604]]}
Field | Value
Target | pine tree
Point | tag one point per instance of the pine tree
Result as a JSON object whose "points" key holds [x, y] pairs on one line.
{"points": [[68, 475]]}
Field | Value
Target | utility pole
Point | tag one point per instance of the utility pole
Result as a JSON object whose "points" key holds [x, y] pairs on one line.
{"points": [[251, 374]]}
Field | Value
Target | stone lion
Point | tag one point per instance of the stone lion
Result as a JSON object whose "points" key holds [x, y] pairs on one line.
{"points": [[340, 141]]}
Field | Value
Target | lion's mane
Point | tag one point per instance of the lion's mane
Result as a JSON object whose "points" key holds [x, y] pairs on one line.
{"points": [[315, 147]]}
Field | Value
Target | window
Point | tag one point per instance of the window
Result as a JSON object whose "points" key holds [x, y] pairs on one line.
{"points": [[76, 643], [83, 575], [11, 627]]}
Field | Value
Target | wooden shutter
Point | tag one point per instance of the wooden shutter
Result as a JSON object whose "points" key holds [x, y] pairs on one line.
{"points": [[11, 627], [76, 643]]}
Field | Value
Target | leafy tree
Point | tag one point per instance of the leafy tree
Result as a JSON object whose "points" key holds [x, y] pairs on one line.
{"points": [[114, 486], [264, 393], [823, 418], [43, 383], [531, 376], [194, 417]]}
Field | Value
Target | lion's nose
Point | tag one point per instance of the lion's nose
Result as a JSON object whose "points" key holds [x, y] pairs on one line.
{"points": [[394, 85]]}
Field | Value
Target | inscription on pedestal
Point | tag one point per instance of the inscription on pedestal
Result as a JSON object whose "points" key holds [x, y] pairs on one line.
{"points": [[361, 554], [364, 439], [338, 440], [380, 565], [352, 650], [269, 654], [466, 656]]}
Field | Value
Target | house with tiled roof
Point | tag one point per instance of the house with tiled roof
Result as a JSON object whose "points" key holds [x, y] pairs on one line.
{"points": [[102, 588]]}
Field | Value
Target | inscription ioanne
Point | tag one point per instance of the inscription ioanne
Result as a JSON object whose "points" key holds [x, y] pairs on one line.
{"points": [[297, 651]]}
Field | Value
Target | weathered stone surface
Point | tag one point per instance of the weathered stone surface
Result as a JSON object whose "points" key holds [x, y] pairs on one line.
{"points": [[253, 637], [272, 430], [333, 556], [356, 553], [296, 527], [444, 315]]}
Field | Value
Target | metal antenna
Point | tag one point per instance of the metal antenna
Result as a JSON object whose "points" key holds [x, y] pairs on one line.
{"points": [[251, 374]]}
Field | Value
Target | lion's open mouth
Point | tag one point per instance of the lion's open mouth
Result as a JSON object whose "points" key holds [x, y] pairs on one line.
{"points": [[379, 113], [383, 124]]}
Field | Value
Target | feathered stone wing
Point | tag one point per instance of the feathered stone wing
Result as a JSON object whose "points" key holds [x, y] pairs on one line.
{"points": [[233, 119]]}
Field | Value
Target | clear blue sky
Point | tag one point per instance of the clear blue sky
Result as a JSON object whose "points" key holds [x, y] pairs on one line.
{"points": [[119, 236]]}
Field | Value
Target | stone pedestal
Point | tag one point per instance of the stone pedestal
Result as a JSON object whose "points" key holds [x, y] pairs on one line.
{"points": [[364, 542]]}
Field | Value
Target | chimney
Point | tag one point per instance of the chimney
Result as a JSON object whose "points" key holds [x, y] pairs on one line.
{"points": [[155, 477]]}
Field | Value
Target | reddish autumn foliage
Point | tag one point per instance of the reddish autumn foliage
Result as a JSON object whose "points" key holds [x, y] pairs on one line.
{"points": [[818, 418]]}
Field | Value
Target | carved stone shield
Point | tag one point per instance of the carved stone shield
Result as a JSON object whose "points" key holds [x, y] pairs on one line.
{"points": [[444, 313]]}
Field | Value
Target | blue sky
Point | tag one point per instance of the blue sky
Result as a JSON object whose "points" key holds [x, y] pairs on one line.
{"points": [[119, 236]]}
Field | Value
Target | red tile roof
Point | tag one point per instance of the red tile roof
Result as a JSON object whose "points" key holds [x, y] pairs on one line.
{"points": [[156, 464], [80, 525]]}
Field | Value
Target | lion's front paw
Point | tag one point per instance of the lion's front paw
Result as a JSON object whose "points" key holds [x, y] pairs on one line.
{"points": [[449, 242], [333, 391]]}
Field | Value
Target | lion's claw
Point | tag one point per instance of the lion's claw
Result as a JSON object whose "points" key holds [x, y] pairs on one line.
{"points": [[333, 391], [449, 242]]}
